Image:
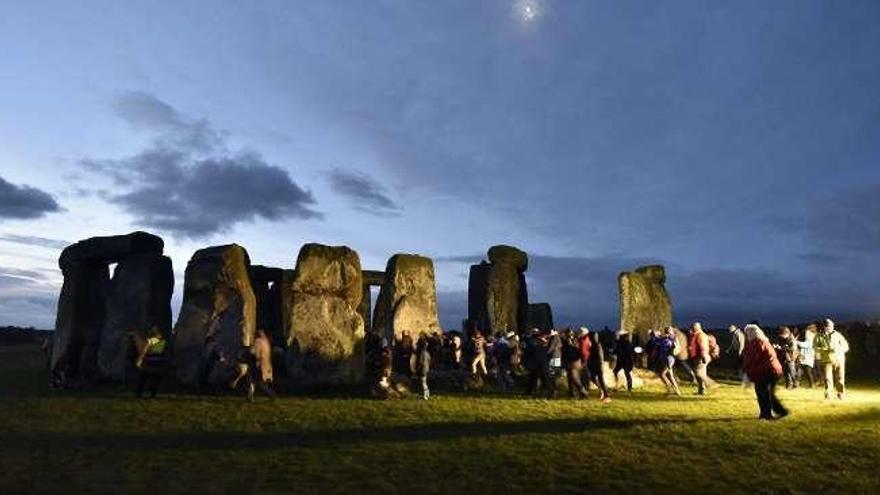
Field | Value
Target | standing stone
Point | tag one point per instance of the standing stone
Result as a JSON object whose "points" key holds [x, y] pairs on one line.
{"points": [[80, 318], [497, 293], [407, 299], [138, 300], [644, 302], [83, 302], [218, 302], [326, 333], [540, 316]]}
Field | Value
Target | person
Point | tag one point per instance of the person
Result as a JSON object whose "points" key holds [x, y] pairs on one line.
{"points": [[806, 354], [554, 352], [625, 359], [423, 364], [478, 363], [595, 363], [762, 365], [585, 346], [374, 346], [501, 351], [515, 352], [698, 350], [261, 373], [651, 349], [831, 348], [571, 356], [665, 360], [403, 354], [786, 349], [543, 355], [735, 349], [151, 363]]}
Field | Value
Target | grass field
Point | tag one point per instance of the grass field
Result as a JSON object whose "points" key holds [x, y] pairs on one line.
{"points": [[109, 441]]}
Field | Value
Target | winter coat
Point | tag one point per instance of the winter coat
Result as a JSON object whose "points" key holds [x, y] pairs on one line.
{"points": [[698, 347], [830, 347], [760, 361], [788, 349], [585, 344], [807, 356], [625, 353], [554, 351]]}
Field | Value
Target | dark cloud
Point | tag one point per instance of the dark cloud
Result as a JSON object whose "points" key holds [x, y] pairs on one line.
{"points": [[30, 240], [25, 202], [187, 183], [145, 111], [364, 192], [848, 220]]}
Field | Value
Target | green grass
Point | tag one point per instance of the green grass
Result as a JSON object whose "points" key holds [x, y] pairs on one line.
{"points": [[108, 441]]}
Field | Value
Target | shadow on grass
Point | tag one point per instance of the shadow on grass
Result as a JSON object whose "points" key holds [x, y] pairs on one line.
{"points": [[222, 440]]}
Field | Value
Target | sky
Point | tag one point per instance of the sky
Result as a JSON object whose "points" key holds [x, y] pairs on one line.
{"points": [[737, 143]]}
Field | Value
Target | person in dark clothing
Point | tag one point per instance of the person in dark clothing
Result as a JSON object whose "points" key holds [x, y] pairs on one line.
{"points": [[435, 348], [423, 364], [151, 363], [787, 351], [571, 356], [501, 352], [762, 366], [584, 346], [530, 361], [625, 358], [664, 350], [597, 359], [403, 352]]}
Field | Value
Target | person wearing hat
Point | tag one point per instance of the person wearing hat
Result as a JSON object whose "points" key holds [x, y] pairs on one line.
{"points": [[584, 346], [787, 350]]}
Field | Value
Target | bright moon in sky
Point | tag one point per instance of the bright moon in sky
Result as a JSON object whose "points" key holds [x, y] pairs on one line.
{"points": [[527, 10]]}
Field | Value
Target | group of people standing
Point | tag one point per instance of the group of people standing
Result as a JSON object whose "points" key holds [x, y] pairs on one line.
{"points": [[792, 355]]}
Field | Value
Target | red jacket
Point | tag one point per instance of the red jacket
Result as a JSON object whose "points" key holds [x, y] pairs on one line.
{"points": [[585, 347], [759, 360], [698, 346]]}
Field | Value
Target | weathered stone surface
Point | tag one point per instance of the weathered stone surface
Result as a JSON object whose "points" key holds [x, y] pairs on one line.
{"points": [[509, 255], [111, 249], [80, 318], [138, 299], [408, 298], [326, 333], [540, 316], [644, 302], [497, 292], [218, 302]]}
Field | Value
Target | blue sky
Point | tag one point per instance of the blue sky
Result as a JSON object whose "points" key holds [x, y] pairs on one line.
{"points": [[737, 143]]}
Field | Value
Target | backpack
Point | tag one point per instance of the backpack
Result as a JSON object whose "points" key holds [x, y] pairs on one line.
{"points": [[714, 350]]}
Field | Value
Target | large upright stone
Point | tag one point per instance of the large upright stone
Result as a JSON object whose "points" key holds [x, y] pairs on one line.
{"points": [[497, 293], [326, 333], [81, 312], [87, 300], [644, 302], [138, 300], [540, 316], [218, 302], [408, 298]]}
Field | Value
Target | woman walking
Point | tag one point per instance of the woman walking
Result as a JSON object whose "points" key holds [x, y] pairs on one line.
{"points": [[625, 359], [594, 365], [763, 368], [664, 348]]}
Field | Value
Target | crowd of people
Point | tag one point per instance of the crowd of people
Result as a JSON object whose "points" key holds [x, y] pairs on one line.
{"points": [[539, 358]]}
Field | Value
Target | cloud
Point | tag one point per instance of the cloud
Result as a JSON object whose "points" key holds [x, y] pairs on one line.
{"points": [[848, 220], [188, 183], [25, 202], [365, 193], [27, 297], [30, 240]]}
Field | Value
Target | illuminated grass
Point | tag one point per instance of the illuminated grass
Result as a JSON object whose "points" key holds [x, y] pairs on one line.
{"points": [[112, 442]]}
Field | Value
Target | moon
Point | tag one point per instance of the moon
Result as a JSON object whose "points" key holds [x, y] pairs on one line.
{"points": [[527, 10]]}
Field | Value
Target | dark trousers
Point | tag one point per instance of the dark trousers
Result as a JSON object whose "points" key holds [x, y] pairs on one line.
{"points": [[149, 380], [687, 369], [765, 390], [808, 372], [575, 386], [598, 377], [789, 368], [627, 372]]}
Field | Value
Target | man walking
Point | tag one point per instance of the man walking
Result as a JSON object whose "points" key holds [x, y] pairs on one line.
{"points": [[699, 353], [831, 348]]}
